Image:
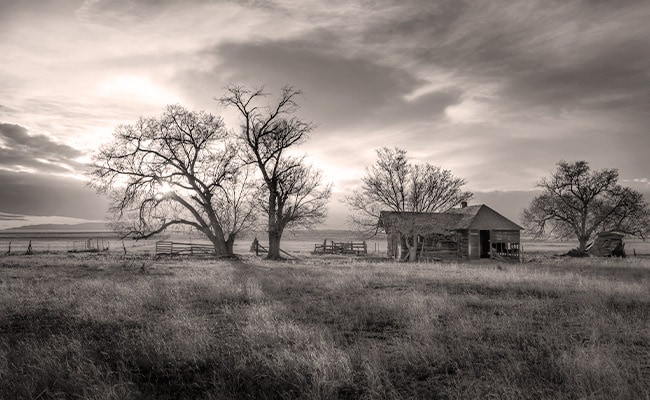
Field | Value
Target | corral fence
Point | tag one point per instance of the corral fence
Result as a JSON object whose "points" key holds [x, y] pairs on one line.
{"points": [[90, 245], [167, 248], [356, 248]]}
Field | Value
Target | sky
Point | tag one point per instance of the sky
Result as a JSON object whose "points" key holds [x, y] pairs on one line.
{"points": [[496, 91]]}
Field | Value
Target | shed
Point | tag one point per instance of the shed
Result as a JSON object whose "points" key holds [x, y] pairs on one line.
{"points": [[468, 232], [607, 244]]}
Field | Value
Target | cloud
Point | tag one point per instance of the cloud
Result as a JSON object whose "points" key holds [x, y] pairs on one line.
{"points": [[338, 90], [607, 80], [36, 194], [351, 99], [497, 91], [558, 56], [19, 150], [4, 109], [138, 11], [11, 217]]}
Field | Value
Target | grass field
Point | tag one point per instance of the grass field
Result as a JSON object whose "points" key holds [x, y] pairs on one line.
{"points": [[103, 327]]}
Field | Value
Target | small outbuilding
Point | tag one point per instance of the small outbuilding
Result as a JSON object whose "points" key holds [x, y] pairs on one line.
{"points": [[607, 244], [468, 232]]}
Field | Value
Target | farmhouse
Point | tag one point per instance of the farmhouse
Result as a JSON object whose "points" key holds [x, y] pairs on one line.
{"points": [[468, 232]]}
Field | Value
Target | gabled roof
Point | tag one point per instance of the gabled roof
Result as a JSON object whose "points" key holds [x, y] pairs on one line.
{"points": [[466, 215], [419, 222], [470, 217]]}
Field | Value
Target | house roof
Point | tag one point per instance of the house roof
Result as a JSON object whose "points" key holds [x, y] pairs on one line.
{"points": [[470, 217], [420, 222]]}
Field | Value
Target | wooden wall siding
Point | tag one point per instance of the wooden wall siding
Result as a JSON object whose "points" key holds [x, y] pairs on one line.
{"points": [[474, 244], [504, 236], [393, 240], [429, 247], [463, 243], [467, 223], [505, 250], [439, 246], [505, 243]]}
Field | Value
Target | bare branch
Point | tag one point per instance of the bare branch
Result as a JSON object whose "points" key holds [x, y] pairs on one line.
{"points": [[166, 171], [293, 192], [396, 185], [578, 202]]}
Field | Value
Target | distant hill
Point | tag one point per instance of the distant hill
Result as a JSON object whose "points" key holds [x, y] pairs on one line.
{"points": [[84, 227], [315, 235]]}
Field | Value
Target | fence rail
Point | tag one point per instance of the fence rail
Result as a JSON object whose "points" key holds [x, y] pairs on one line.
{"points": [[259, 249], [176, 249], [333, 247]]}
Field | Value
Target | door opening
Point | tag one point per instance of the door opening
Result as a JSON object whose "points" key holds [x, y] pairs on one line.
{"points": [[484, 238]]}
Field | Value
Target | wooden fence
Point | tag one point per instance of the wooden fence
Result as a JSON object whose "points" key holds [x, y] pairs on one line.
{"points": [[259, 249], [90, 245], [357, 248], [177, 249]]}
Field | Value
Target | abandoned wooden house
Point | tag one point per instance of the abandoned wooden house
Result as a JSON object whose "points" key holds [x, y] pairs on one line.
{"points": [[468, 232]]}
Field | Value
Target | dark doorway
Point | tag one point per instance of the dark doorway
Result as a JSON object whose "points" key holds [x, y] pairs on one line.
{"points": [[484, 237]]}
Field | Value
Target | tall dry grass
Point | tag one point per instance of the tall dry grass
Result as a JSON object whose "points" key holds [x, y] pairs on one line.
{"points": [[108, 328]]}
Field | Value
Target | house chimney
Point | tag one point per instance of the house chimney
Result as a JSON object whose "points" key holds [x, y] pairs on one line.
{"points": [[463, 204]]}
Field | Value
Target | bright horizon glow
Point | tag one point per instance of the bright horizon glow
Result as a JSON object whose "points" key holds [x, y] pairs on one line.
{"points": [[138, 88]]}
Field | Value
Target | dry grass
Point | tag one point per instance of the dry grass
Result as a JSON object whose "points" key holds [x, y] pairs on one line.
{"points": [[106, 328]]}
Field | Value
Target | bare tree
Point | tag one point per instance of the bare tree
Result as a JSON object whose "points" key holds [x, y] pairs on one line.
{"points": [[578, 202], [179, 170], [295, 195], [394, 184]]}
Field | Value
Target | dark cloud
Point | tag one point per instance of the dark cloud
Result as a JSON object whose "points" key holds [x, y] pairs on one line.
{"points": [[340, 91], [11, 9], [614, 78], [34, 194], [19, 149], [568, 55]]}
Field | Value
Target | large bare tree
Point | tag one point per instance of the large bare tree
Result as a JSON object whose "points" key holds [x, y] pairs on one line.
{"points": [[179, 170], [580, 202], [394, 184], [295, 195]]}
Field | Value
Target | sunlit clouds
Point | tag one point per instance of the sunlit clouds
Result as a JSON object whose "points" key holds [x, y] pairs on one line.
{"points": [[496, 91]]}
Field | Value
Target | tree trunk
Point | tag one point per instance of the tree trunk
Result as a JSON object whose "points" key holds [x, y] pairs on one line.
{"points": [[274, 245], [229, 245], [583, 244], [410, 243], [220, 247]]}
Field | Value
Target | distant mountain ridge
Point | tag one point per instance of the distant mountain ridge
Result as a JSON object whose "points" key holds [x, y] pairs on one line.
{"points": [[313, 235], [83, 227]]}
